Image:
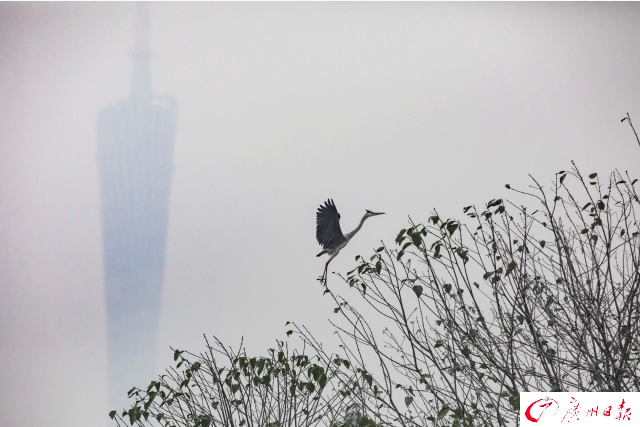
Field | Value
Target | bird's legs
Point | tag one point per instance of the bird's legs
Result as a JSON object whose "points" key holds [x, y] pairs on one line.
{"points": [[323, 279]]}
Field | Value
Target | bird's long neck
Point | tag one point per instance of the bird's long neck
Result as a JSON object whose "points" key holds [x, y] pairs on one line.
{"points": [[349, 236]]}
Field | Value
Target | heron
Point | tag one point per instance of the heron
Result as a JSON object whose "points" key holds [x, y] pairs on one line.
{"points": [[328, 231]]}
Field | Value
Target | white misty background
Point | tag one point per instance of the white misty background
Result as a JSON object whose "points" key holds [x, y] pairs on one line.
{"points": [[391, 107]]}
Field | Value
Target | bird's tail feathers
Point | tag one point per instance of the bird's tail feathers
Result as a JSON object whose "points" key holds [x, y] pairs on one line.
{"points": [[322, 253]]}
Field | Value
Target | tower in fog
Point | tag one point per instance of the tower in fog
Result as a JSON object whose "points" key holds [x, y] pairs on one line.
{"points": [[135, 151]]}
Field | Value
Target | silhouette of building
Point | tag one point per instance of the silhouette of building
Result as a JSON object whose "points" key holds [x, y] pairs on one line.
{"points": [[135, 151]]}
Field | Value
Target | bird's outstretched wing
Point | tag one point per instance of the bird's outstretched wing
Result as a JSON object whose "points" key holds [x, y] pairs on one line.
{"points": [[328, 231]]}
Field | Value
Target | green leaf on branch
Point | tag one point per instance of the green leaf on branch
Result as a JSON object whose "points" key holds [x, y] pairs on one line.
{"points": [[366, 422], [510, 267], [443, 412], [436, 253], [408, 400], [452, 227], [266, 380], [418, 290], [401, 252], [463, 254], [416, 239], [465, 351], [367, 377], [514, 401]]}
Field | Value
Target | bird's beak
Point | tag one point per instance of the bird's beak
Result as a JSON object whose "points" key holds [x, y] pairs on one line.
{"points": [[378, 213]]}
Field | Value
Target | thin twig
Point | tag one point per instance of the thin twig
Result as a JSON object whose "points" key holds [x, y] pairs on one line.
{"points": [[631, 124]]}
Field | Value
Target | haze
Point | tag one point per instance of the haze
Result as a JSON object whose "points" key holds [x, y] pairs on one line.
{"points": [[393, 107]]}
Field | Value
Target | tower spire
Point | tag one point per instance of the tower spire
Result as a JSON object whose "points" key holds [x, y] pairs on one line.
{"points": [[141, 81]]}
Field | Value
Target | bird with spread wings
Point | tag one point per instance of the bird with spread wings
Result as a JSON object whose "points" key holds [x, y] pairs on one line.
{"points": [[329, 234]]}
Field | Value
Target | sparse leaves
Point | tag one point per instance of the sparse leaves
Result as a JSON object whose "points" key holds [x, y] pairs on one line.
{"points": [[285, 385], [461, 317], [462, 352]]}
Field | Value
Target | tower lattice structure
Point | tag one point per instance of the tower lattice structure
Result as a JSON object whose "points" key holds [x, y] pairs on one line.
{"points": [[135, 152]]}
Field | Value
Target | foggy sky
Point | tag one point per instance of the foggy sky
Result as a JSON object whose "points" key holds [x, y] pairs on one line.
{"points": [[393, 107]]}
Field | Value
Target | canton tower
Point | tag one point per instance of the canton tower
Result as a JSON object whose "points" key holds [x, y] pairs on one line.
{"points": [[135, 151]]}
